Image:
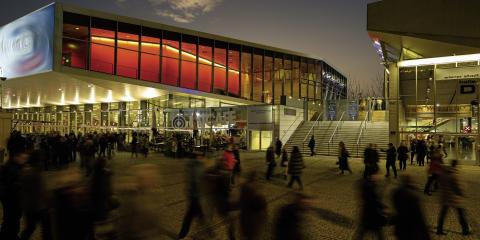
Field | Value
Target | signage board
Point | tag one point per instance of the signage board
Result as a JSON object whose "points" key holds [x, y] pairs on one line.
{"points": [[26, 44], [457, 73]]}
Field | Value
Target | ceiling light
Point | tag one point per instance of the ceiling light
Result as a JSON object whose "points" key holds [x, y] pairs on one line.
{"points": [[77, 28]]}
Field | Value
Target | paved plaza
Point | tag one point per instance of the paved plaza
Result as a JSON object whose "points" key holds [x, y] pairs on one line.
{"points": [[334, 215]]}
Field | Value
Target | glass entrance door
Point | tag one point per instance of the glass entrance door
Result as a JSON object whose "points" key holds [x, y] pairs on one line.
{"points": [[461, 147]]}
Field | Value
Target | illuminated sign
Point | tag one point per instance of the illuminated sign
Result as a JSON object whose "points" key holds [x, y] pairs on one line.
{"points": [[457, 73], [26, 44]]}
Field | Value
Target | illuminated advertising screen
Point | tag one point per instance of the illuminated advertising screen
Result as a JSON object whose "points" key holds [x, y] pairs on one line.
{"points": [[26, 44]]}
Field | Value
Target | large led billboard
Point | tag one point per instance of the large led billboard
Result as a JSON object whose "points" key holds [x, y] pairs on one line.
{"points": [[26, 44]]}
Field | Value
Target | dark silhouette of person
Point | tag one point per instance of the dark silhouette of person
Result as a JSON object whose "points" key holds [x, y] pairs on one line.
{"points": [[253, 209], [311, 145], [402, 151], [421, 150], [391, 158], [452, 196], [435, 170], [295, 167], [101, 190], [370, 159], [134, 145], [343, 156], [270, 160], [11, 195], [409, 220], [372, 215], [413, 151], [290, 220], [278, 147]]}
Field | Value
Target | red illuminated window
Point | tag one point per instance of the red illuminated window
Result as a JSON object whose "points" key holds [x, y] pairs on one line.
{"points": [[189, 58], [257, 75], [150, 55], [170, 62], [127, 50], [246, 73], [234, 70], [205, 65], [220, 70], [102, 51]]}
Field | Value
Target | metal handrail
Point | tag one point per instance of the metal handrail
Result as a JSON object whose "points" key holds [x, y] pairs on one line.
{"points": [[336, 128], [288, 129], [315, 123], [363, 126]]}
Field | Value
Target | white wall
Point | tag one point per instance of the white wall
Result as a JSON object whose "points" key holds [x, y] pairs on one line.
{"points": [[289, 123]]}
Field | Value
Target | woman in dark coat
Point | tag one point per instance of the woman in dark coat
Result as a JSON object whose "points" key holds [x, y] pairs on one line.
{"points": [[295, 167], [343, 156]]}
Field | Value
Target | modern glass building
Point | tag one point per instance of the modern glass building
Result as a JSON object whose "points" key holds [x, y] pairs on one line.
{"points": [[103, 71], [432, 72]]}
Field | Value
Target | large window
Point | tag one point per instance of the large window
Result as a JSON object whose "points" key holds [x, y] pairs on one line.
{"points": [[102, 47], [170, 58], [205, 65], [189, 59], [246, 72], [150, 56], [220, 70], [127, 50], [304, 78], [258, 75], [268, 82], [75, 40], [279, 75], [233, 70], [296, 78], [287, 86]]}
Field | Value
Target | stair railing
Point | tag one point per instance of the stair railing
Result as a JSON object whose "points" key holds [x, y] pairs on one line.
{"points": [[289, 127], [335, 131], [363, 127], [311, 128]]}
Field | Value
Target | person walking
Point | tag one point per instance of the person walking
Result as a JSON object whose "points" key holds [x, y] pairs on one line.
{"points": [[435, 170], [134, 145], [237, 168], [413, 144], [253, 209], [421, 150], [278, 147], [370, 159], [343, 156], [402, 156], [295, 167], [372, 213], [311, 145], [391, 158], [270, 160], [409, 221], [284, 162], [290, 220], [452, 196]]}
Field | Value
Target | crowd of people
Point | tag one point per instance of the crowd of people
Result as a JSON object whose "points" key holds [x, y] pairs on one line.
{"points": [[81, 203]]}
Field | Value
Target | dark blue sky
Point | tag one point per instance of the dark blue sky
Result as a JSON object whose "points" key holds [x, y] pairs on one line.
{"points": [[334, 30]]}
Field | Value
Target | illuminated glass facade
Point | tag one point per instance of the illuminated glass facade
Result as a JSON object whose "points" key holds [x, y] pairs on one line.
{"points": [[194, 62]]}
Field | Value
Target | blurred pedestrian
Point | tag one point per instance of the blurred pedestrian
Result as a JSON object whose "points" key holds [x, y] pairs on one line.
{"points": [[295, 167], [11, 195], [402, 156], [311, 145], [229, 161], [343, 156], [237, 168], [278, 147], [413, 144], [421, 151], [284, 162], [270, 160], [372, 215], [290, 220], [101, 189], [370, 159], [435, 170], [253, 209], [409, 220], [452, 196], [391, 158], [134, 145]]}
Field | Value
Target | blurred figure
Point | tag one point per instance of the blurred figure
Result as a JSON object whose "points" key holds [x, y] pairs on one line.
{"points": [[295, 167], [421, 151], [452, 196], [72, 208], [402, 156], [237, 168], [311, 145], [270, 160], [290, 220], [253, 209], [391, 158], [134, 145], [34, 199], [370, 159], [103, 143], [88, 151], [435, 171], [372, 215], [409, 220], [195, 174], [413, 144], [284, 162], [229, 161], [278, 147], [343, 156], [101, 189], [11, 195]]}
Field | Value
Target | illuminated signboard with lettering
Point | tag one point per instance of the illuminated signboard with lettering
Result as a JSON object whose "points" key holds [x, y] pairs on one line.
{"points": [[26, 44]]}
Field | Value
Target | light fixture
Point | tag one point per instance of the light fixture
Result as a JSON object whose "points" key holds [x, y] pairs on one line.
{"points": [[77, 28], [439, 60]]}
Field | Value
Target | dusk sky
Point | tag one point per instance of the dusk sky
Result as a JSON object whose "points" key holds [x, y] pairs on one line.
{"points": [[334, 30]]}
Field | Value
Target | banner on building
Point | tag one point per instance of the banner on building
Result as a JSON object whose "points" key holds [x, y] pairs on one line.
{"points": [[457, 73], [260, 117]]}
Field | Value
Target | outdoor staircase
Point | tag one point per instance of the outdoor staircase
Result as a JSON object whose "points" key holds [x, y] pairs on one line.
{"points": [[347, 131]]}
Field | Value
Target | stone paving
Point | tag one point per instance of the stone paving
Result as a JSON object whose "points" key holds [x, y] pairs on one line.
{"points": [[335, 210]]}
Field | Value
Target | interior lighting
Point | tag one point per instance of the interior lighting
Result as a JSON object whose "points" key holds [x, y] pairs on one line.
{"points": [[439, 60]]}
